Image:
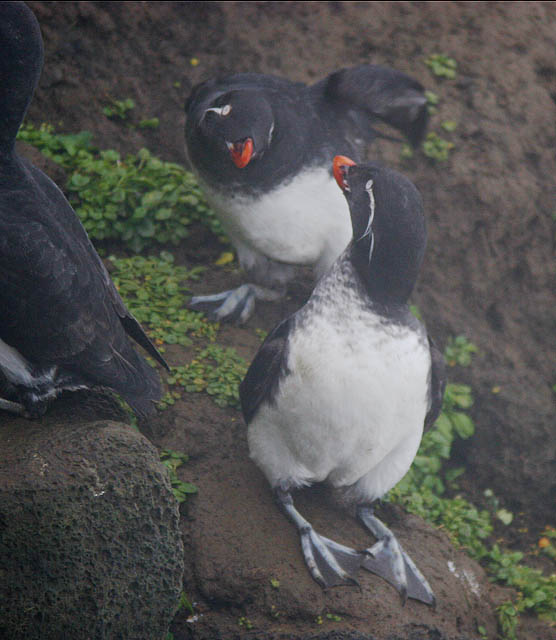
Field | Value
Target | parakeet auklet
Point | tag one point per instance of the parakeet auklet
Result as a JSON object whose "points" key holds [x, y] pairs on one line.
{"points": [[340, 391], [261, 148], [63, 325]]}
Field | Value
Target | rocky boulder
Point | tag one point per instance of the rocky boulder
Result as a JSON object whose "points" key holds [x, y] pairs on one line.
{"points": [[90, 545]]}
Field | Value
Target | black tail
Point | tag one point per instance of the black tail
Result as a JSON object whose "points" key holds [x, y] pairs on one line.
{"points": [[134, 329], [136, 381], [112, 363], [371, 92]]}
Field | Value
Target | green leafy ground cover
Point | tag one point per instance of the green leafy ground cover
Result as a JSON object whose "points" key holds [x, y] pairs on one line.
{"points": [[125, 199], [138, 200]]}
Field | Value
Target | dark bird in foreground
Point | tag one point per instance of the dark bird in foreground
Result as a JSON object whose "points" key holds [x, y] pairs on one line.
{"points": [[63, 325], [261, 148], [341, 391]]}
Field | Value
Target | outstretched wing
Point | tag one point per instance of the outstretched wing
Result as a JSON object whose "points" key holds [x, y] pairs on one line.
{"points": [[359, 97], [268, 367]]}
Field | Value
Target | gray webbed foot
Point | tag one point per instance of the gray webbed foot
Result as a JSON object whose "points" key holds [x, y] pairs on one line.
{"points": [[330, 564], [235, 305], [387, 559]]}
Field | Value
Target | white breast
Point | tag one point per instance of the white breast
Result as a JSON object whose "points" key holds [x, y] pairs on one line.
{"points": [[352, 410], [303, 222]]}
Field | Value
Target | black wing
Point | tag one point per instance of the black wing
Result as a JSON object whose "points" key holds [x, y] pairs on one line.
{"points": [[357, 97], [268, 367], [89, 256], [59, 306], [437, 385]]}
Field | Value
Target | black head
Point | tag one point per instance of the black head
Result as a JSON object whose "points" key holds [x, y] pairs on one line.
{"points": [[228, 131], [389, 231], [21, 58]]}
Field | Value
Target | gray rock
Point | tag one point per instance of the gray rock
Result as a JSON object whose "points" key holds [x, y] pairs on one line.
{"points": [[90, 545]]}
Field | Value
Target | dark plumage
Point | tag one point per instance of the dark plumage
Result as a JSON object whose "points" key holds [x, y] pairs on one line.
{"points": [[63, 325], [261, 147], [341, 391]]}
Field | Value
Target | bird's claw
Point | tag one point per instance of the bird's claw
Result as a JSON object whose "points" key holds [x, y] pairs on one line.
{"points": [[331, 564], [234, 305], [387, 559]]}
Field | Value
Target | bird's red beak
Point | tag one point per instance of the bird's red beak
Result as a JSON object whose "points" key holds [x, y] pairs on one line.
{"points": [[339, 168], [241, 152]]}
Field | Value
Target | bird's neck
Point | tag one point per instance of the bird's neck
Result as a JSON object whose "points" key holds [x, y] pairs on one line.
{"points": [[388, 277]]}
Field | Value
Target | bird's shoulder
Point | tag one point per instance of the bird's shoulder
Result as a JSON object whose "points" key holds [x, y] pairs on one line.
{"points": [[267, 368]]}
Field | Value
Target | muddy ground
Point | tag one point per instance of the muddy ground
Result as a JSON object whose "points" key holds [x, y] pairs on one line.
{"points": [[488, 273]]}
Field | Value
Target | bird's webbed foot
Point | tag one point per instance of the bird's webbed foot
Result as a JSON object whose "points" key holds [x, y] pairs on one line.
{"points": [[235, 305], [330, 564], [387, 559]]}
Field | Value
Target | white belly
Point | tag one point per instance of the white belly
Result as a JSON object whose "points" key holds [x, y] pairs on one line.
{"points": [[305, 222], [352, 409]]}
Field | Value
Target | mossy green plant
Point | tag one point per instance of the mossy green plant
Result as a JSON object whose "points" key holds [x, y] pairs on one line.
{"points": [[436, 148], [172, 460], [459, 351], [432, 101], [119, 109], [137, 199], [423, 492], [156, 290], [442, 65], [216, 370]]}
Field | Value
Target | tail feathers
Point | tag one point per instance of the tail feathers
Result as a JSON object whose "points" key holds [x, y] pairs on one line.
{"points": [[377, 92], [134, 329], [115, 366], [136, 381], [119, 368]]}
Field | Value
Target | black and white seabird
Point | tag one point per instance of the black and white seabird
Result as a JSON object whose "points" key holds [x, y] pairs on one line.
{"points": [[63, 325], [261, 147], [341, 391]]}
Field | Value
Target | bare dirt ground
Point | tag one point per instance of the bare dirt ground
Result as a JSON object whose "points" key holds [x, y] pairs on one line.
{"points": [[488, 274]]}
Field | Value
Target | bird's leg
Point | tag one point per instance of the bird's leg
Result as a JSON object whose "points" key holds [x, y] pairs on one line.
{"points": [[235, 305], [329, 563], [387, 559]]}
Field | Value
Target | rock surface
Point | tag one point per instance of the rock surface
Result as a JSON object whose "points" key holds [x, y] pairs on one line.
{"points": [[90, 545], [246, 572]]}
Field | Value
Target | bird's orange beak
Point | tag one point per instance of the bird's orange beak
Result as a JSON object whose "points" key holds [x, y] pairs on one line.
{"points": [[241, 152], [339, 168]]}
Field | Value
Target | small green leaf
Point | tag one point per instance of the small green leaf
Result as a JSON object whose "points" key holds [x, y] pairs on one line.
{"points": [[462, 424], [505, 516]]}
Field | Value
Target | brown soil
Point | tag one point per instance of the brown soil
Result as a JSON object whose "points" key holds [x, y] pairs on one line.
{"points": [[488, 273]]}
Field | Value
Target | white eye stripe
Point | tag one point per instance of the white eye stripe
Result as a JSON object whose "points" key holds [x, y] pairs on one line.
{"points": [[369, 190], [369, 229], [221, 111]]}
